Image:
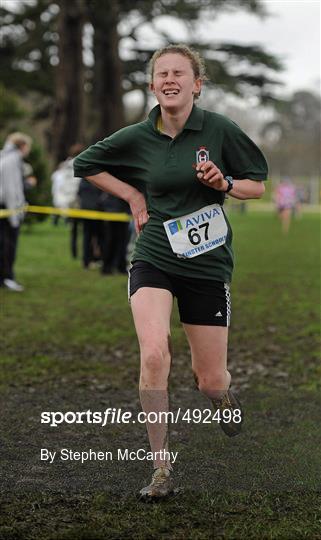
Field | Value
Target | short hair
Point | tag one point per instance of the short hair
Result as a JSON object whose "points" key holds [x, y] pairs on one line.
{"points": [[197, 62], [19, 139]]}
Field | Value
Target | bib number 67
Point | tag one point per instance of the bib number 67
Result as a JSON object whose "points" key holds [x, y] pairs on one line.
{"points": [[194, 234]]}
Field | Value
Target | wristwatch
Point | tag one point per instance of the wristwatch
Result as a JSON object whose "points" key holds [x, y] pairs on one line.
{"points": [[230, 182]]}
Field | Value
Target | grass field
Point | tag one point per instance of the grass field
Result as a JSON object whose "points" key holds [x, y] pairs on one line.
{"points": [[68, 344]]}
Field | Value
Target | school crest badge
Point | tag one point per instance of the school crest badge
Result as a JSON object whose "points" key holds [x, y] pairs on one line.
{"points": [[202, 155]]}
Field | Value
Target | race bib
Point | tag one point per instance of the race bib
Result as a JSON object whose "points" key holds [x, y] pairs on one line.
{"points": [[197, 233]]}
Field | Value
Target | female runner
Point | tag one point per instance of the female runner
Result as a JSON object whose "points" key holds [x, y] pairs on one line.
{"points": [[174, 169]]}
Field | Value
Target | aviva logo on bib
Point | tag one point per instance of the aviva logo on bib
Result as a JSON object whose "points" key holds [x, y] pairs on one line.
{"points": [[193, 219], [175, 226]]}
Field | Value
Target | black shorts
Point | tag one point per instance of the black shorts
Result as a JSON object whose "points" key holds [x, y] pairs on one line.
{"points": [[200, 301]]}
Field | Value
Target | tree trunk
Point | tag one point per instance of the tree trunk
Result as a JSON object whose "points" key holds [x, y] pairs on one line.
{"points": [[68, 110], [107, 83]]}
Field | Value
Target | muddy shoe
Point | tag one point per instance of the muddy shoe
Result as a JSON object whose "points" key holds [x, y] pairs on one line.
{"points": [[161, 485], [230, 413]]}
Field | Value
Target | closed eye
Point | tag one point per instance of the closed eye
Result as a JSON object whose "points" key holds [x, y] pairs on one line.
{"points": [[165, 73]]}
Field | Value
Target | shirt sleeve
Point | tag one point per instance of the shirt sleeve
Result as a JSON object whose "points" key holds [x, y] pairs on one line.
{"points": [[100, 157], [242, 158], [115, 154]]}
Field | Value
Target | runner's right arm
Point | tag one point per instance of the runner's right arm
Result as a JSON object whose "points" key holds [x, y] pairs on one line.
{"points": [[135, 199]]}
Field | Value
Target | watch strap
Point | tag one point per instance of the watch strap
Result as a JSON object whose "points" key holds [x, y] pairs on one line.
{"points": [[229, 180]]}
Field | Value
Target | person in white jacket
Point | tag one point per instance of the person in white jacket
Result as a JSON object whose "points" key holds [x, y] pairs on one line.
{"points": [[12, 197], [64, 192], [64, 185]]}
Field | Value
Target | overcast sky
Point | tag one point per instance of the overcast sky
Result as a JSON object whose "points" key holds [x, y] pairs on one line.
{"points": [[292, 32]]}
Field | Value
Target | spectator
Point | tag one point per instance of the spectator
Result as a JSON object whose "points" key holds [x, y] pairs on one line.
{"points": [[115, 236], [12, 197], [89, 197], [65, 191]]}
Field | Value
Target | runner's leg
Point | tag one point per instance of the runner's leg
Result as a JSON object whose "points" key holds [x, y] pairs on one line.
{"points": [[151, 310], [286, 219], [208, 346]]}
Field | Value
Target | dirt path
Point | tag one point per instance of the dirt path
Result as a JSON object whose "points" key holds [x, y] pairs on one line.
{"points": [[275, 454]]}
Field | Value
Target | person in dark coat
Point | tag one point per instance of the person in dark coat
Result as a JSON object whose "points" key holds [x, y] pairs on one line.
{"points": [[115, 236], [89, 197]]}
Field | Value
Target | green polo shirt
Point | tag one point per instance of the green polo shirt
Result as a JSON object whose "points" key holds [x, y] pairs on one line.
{"points": [[164, 169]]}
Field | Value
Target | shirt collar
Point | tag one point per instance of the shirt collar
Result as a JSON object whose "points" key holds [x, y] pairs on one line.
{"points": [[194, 121]]}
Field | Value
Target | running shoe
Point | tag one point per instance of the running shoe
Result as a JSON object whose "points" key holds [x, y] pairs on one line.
{"points": [[13, 285], [231, 423], [161, 485]]}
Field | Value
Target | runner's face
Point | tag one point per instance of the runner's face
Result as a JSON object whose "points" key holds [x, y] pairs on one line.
{"points": [[174, 83]]}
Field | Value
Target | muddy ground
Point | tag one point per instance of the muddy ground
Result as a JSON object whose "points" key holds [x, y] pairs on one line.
{"points": [[220, 480]]}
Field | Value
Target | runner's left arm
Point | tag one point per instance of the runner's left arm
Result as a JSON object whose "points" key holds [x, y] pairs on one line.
{"points": [[210, 175]]}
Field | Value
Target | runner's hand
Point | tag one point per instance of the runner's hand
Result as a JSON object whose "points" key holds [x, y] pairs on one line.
{"points": [[138, 208], [210, 175]]}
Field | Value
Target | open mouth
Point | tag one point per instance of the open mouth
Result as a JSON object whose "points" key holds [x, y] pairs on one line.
{"points": [[172, 92]]}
